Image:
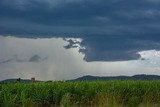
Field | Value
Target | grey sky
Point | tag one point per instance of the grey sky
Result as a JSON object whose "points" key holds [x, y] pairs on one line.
{"points": [[53, 62]]}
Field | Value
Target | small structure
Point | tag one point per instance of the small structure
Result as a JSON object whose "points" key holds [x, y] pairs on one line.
{"points": [[19, 80], [33, 79]]}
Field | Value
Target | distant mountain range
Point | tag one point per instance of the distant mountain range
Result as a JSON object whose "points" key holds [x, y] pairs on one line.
{"points": [[94, 78], [15, 80], [135, 77]]}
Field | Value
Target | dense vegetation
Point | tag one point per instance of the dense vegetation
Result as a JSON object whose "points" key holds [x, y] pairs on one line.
{"points": [[77, 94]]}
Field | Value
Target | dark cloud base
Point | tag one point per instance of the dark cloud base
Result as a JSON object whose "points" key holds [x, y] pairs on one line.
{"points": [[116, 47]]}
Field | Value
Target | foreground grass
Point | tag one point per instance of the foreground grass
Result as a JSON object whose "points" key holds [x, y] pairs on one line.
{"points": [[80, 94]]}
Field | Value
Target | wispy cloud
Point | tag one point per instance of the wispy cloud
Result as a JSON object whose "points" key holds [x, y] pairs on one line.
{"points": [[34, 58]]}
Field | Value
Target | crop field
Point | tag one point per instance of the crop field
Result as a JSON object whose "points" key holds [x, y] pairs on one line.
{"points": [[81, 94]]}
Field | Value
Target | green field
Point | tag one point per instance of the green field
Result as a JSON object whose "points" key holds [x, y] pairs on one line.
{"points": [[81, 94]]}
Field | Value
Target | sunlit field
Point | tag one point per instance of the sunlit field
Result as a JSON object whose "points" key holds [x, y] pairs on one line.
{"points": [[78, 94]]}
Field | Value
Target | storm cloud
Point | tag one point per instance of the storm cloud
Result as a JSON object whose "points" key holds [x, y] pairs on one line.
{"points": [[111, 30]]}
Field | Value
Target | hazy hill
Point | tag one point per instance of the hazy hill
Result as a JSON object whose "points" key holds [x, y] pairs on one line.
{"points": [[15, 80], [94, 78], [135, 77]]}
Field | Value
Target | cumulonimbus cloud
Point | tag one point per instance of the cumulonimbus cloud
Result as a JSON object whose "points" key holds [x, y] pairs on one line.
{"points": [[111, 30]]}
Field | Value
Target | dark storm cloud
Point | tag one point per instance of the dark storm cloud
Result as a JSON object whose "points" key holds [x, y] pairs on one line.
{"points": [[113, 48], [72, 43], [112, 30]]}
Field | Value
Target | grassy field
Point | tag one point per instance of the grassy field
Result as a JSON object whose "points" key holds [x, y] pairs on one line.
{"points": [[81, 94]]}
